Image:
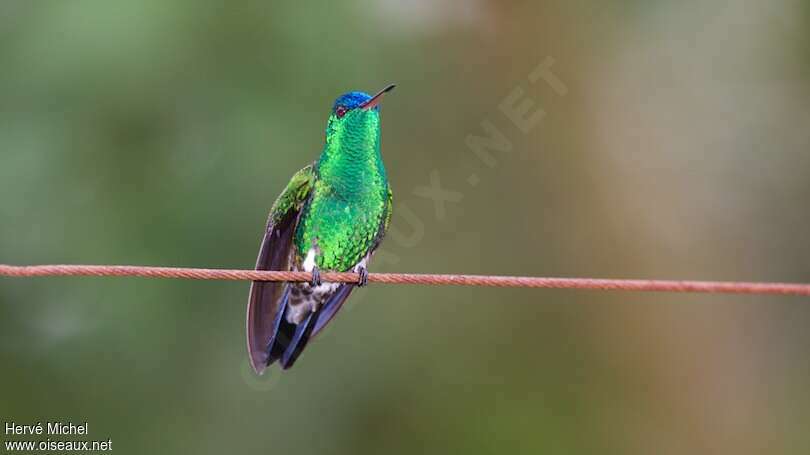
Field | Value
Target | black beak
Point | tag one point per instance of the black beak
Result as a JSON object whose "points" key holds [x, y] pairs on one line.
{"points": [[375, 100]]}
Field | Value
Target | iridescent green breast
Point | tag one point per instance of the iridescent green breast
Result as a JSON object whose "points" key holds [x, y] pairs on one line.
{"points": [[343, 229], [349, 203]]}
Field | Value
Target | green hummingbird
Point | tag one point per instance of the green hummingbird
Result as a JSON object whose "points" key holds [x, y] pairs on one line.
{"points": [[331, 216]]}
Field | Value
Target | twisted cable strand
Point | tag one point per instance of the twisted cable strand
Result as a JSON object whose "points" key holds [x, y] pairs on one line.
{"points": [[726, 287]]}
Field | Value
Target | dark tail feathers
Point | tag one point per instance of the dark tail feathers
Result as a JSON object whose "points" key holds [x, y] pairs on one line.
{"points": [[288, 339]]}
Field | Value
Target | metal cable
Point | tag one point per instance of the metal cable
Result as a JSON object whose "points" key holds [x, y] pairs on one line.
{"points": [[726, 287]]}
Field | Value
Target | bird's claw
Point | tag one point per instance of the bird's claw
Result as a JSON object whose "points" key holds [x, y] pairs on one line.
{"points": [[363, 279], [316, 277]]}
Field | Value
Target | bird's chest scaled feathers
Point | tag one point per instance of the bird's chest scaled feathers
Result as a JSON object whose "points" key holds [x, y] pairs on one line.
{"points": [[340, 227]]}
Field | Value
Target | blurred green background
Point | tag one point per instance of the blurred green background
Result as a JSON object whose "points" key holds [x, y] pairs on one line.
{"points": [[159, 132]]}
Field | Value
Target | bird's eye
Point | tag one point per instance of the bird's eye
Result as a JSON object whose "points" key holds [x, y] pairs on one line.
{"points": [[340, 111]]}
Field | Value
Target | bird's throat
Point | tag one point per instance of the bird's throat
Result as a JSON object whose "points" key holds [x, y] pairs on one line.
{"points": [[351, 162]]}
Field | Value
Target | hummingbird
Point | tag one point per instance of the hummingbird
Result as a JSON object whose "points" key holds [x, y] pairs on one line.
{"points": [[332, 216]]}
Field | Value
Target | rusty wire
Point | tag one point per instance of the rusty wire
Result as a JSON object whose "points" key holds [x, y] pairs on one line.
{"points": [[726, 287]]}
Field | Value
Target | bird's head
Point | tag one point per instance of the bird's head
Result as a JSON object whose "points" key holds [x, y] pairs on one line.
{"points": [[355, 114]]}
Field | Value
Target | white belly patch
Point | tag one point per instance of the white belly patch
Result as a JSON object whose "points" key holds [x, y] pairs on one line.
{"points": [[304, 298], [309, 261]]}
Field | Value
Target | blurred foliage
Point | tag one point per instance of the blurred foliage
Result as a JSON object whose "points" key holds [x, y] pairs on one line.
{"points": [[159, 132]]}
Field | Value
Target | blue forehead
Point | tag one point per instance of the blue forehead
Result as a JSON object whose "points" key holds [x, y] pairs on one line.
{"points": [[351, 99]]}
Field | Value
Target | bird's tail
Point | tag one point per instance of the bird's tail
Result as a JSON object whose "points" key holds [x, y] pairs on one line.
{"points": [[288, 339]]}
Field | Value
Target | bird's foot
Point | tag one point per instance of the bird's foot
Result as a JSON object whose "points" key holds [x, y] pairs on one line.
{"points": [[363, 280], [316, 277]]}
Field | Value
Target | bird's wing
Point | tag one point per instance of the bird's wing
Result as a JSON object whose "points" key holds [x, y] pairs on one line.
{"points": [[265, 297], [331, 307]]}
